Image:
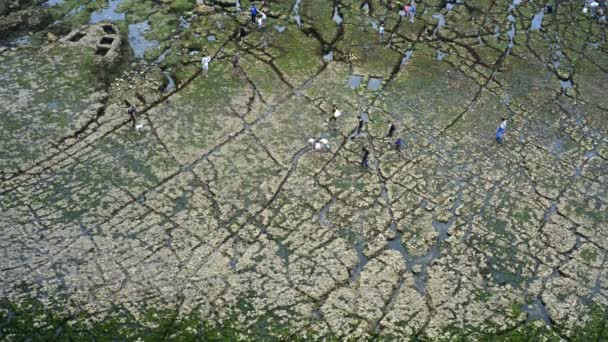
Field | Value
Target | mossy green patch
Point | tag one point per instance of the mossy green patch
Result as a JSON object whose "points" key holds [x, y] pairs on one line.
{"points": [[300, 57], [181, 6], [589, 254], [162, 26], [137, 10], [30, 320]]}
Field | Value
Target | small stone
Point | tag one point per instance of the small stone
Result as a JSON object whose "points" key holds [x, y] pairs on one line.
{"points": [[204, 10], [51, 37]]}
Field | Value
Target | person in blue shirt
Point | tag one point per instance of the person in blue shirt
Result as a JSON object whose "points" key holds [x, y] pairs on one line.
{"points": [[501, 131], [399, 144], [412, 12], [254, 13]]}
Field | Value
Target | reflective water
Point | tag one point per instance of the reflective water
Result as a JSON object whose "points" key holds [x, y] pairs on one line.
{"points": [[109, 13], [138, 42]]}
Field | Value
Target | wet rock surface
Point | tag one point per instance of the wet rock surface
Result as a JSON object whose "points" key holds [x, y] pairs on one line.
{"points": [[212, 203]]}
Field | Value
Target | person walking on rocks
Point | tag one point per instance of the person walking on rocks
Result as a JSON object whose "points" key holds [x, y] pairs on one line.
{"points": [[337, 113], [381, 31], [333, 120], [359, 125], [254, 13], [242, 34], [391, 130], [594, 4], [501, 131], [365, 158], [235, 63], [132, 111], [262, 20], [399, 144], [205, 65], [412, 12]]}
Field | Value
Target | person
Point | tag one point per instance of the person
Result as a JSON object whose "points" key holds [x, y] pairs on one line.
{"points": [[366, 6], [337, 113], [501, 130], [593, 6], [391, 130], [321, 145], [262, 20], [406, 9], [242, 33], [254, 13], [548, 9], [398, 144], [381, 30], [333, 120], [412, 12], [205, 64], [235, 63], [324, 145], [365, 158], [132, 111], [359, 125]]}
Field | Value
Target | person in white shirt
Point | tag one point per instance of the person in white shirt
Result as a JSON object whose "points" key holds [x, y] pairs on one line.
{"points": [[593, 6], [333, 121], [324, 144], [205, 64], [262, 20], [337, 113]]}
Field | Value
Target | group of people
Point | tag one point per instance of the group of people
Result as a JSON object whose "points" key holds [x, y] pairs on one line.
{"points": [[596, 8], [323, 145], [392, 128], [410, 11], [254, 16]]}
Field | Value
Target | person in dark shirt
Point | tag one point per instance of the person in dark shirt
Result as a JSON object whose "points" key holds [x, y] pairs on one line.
{"points": [[365, 158], [391, 130], [132, 111], [359, 125]]}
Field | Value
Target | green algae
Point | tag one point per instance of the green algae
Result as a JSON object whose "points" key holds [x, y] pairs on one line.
{"points": [[31, 320]]}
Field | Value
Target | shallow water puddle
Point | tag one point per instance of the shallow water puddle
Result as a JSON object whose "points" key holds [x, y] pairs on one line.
{"points": [[109, 13], [354, 81], [537, 21], [138, 42], [374, 83]]}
